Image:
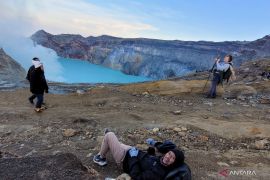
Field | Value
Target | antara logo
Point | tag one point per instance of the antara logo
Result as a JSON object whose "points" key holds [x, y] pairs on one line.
{"points": [[243, 173], [227, 172]]}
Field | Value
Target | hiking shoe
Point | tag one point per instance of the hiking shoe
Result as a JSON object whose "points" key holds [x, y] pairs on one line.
{"points": [[100, 161], [210, 97], [38, 110]]}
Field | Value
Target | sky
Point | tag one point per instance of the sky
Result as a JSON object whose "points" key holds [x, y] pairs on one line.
{"points": [[212, 20]]}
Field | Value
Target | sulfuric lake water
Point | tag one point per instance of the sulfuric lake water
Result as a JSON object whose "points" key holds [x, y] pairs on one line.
{"points": [[77, 71]]}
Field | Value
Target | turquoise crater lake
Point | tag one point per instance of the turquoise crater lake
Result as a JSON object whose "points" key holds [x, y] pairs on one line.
{"points": [[77, 71]]}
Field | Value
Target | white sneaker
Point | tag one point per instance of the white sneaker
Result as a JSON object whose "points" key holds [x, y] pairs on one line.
{"points": [[100, 161]]}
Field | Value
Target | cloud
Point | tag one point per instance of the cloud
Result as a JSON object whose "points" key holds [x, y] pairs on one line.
{"points": [[23, 50], [75, 17], [112, 27], [14, 26]]}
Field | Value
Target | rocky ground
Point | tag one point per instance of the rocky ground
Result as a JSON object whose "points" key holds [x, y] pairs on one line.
{"points": [[230, 133]]}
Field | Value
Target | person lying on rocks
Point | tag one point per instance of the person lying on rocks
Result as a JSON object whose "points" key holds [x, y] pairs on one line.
{"points": [[138, 164]]}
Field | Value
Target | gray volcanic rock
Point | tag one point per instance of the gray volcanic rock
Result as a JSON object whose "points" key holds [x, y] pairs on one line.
{"points": [[63, 166], [11, 72], [158, 59]]}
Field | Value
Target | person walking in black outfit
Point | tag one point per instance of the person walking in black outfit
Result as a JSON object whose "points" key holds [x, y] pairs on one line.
{"points": [[31, 69], [38, 85]]}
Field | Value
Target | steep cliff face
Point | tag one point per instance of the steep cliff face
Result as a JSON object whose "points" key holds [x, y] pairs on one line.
{"points": [[11, 72], [158, 59]]}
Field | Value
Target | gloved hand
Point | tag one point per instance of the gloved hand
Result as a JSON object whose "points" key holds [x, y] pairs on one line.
{"points": [[150, 141], [133, 152], [46, 91]]}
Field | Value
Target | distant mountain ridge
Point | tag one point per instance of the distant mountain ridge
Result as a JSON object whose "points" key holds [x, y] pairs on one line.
{"points": [[157, 59]]}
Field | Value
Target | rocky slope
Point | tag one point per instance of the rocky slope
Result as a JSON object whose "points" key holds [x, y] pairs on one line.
{"points": [[249, 82], [153, 58], [11, 72], [230, 133]]}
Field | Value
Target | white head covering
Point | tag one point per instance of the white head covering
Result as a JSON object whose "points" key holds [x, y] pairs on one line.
{"points": [[35, 61], [37, 64]]}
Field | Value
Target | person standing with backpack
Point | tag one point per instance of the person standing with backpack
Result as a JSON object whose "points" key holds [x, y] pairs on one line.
{"points": [[222, 71]]}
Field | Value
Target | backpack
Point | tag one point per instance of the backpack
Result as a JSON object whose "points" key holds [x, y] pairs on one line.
{"points": [[225, 75]]}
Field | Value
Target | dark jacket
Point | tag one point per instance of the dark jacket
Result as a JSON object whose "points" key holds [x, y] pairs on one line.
{"points": [[38, 83], [31, 69], [144, 167]]}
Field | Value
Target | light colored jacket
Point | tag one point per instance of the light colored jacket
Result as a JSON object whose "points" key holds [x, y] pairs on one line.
{"points": [[221, 66]]}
